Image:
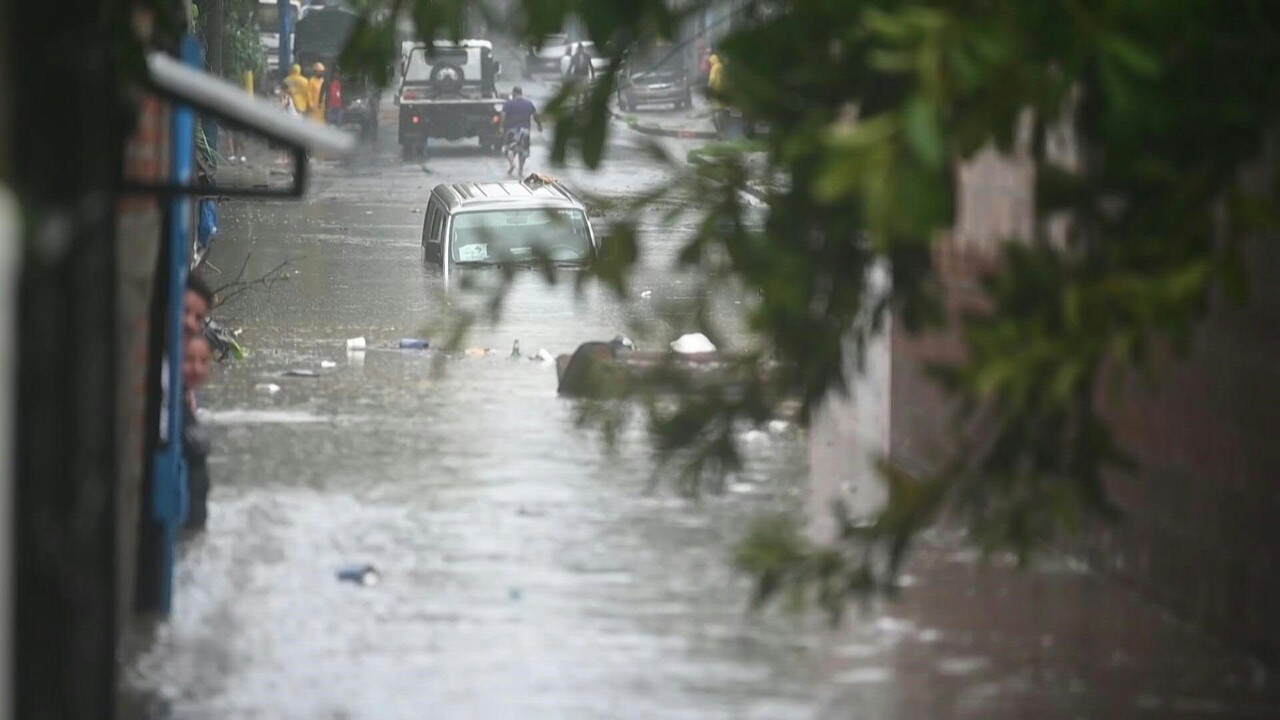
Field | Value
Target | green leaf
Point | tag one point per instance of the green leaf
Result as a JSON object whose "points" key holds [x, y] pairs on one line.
{"points": [[371, 50], [1130, 55], [923, 131]]}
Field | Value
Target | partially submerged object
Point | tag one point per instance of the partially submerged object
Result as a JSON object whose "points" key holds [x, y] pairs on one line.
{"points": [[300, 373], [616, 369], [693, 344], [366, 575]]}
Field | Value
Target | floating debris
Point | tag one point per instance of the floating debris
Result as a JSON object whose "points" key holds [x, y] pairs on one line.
{"points": [[300, 373], [356, 343], [693, 343], [544, 355], [328, 364], [515, 350], [412, 344], [360, 574], [267, 388]]}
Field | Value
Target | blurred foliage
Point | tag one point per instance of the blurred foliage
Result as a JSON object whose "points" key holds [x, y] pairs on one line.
{"points": [[241, 43], [871, 105], [725, 148], [242, 49]]}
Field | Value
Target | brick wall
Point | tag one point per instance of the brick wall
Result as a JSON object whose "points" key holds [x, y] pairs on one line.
{"points": [[1201, 528], [1200, 525]]}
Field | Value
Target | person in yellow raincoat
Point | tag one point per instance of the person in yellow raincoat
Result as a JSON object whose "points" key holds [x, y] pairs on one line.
{"points": [[315, 103], [727, 124], [715, 79], [295, 86]]}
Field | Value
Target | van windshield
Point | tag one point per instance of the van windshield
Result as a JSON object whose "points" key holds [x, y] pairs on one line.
{"points": [[493, 237]]}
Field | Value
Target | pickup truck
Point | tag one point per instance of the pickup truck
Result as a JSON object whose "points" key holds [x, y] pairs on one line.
{"points": [[447, 91]]}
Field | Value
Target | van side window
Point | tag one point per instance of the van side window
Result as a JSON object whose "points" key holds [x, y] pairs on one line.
{"points": [[437, 221]]}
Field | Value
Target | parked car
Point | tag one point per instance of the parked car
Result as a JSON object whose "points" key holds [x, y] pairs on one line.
{"points": [[546, 58], [447, 91], [509, 223], [654, 76]]}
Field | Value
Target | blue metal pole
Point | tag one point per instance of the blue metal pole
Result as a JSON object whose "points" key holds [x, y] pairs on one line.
{"points": [[284, 9], [169, 489]]}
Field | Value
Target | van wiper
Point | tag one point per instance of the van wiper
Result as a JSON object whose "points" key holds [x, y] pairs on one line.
{"points": [[541, 263]]}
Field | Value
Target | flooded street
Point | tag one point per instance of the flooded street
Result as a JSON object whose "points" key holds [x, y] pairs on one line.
{"points": [[527, 571]]}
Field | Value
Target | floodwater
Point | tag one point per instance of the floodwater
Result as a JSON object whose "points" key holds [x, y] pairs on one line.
{"points": [[526, 570]]}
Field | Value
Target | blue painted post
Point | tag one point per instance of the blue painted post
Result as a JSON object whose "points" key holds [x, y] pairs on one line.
{"points": [[169, 489], [284, 9]]}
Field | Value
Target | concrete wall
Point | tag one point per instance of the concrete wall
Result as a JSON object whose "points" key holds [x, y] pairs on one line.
{"points": [[138, 231], [848, 435], [995, 202]]}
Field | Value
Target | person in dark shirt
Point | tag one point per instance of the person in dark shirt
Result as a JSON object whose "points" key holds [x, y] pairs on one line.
{"points": [[517, 113], [580, 65]]}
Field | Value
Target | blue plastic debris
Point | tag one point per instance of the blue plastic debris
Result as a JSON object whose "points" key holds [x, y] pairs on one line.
{"points": [[360, 574], [412, 344]]}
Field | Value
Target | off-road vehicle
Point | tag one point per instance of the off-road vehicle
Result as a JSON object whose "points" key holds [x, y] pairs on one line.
{"points": [[447, 91]]}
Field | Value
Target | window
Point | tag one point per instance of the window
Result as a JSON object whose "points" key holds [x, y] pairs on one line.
{"points": [[519, 236], [421, 64], [436, 218]]}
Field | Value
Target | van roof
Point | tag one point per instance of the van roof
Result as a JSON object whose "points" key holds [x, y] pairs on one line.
{"points": [[534, 192], [408, 45]]}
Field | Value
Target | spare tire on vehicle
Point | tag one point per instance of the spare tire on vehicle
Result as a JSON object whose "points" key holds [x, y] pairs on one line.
{"points": [[447, 79]]}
